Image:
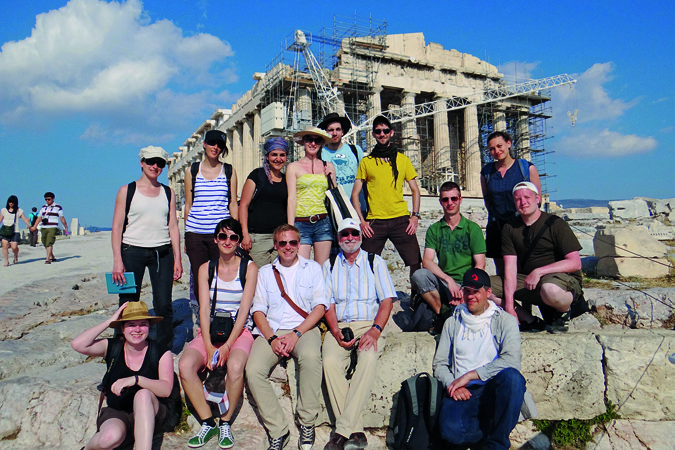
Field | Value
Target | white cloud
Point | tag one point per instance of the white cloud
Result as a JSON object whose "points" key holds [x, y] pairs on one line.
{"points": [[517, 71], [603, 143], [590, 97], [107, 60]]}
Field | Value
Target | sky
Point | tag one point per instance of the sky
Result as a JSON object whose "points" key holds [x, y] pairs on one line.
{"points": [[84, 84]]}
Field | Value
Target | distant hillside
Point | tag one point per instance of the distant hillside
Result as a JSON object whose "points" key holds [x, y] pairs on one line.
{"points": [[581, 202]]}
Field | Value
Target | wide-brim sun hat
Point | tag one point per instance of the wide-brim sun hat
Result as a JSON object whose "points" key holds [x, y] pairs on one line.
{"points": [[152, 151], [135, 311], [312, 131], [345, 123]]}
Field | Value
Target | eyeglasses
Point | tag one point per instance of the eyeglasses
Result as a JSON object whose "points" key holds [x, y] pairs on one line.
{"points": [[213, 142], [232, 237], [159, 162], [379, 131], [347, 233], [293, 243], [449, 199], [316, 139]]}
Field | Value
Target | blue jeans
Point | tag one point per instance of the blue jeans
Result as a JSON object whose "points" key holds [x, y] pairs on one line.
{"points": [[489, 416], [159, 261]]}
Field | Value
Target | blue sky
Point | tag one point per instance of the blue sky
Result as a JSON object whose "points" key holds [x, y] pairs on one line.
{"points": [[85, 84]]}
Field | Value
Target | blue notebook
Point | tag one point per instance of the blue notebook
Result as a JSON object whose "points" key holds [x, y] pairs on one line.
{"points": [[128, 288]]}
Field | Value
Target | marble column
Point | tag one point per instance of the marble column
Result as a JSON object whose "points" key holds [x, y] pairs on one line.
{"points": [[523, 150], [441, 158], [248, 152], [472, 164], [236, 147], [374, 108], [499, 119], [256, 156], [411, 139], [304, 109]]}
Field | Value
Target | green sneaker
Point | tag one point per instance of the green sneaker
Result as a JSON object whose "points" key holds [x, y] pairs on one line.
{"points": [[205, 434], [225, 439]]}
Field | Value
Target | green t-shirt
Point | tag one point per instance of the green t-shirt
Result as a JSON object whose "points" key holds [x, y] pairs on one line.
{"points": [[455, 248]]}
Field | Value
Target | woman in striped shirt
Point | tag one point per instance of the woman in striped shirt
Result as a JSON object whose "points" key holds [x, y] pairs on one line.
{"points": [[212, 199], [234, 296]]}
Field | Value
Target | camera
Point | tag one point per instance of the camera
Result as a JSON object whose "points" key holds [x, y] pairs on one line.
{"points": [[347, 334], [45, 221]]}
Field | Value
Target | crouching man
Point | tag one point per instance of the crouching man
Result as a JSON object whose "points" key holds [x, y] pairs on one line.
{"points": [[478, 361], [361, 293], [289, 301]]}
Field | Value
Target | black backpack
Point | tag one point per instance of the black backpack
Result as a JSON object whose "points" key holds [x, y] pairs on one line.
{"points": [[131, 190], [227, 168], [173, 402], [416, 421]]}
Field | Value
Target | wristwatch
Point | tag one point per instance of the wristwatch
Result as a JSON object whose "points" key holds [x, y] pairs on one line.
{"points": [[297, 333], [273, 337], [377, 327], [416, 214]]}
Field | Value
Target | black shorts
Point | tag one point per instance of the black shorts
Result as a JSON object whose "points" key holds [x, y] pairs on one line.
{"points": [[127, 418]]}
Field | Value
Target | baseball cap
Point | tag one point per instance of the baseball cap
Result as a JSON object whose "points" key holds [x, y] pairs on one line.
{"points": [[526, 185], [349, 224], [476, 279], [152, 151]]}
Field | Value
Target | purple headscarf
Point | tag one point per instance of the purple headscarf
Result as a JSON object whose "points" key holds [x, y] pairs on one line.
{"points": [[276, 143]]}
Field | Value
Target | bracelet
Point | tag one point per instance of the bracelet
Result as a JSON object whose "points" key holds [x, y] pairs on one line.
{"points": [[272, 338], [377, 327], [228, 347]]}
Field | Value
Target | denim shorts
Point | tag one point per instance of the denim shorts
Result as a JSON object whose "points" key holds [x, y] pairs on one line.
{"points": [[16, 238], [315, 232]]}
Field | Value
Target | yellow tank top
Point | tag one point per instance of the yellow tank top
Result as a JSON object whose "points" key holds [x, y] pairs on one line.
{"points": [[310, 192]]}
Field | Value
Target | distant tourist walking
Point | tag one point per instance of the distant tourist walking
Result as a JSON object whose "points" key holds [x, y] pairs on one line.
{"points": [[32, 218], [145, 234], [140, 378], [307, 183], [9, 231], [497, 181], [262, 207], [210, 196], [49, 217]]}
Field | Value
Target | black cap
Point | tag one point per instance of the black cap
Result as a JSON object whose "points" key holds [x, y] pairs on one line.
{"points": [[476, 279], [381, 119], [217, 135]]}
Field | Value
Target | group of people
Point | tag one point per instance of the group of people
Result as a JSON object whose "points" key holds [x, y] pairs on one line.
{"points": [[47, 219], [260, 297]]}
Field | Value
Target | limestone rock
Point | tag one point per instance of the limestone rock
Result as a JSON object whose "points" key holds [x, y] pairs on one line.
{"points": [[615, 267], [628, 209], [633, 435], [564, 375], [612, 241], [639, 376]]}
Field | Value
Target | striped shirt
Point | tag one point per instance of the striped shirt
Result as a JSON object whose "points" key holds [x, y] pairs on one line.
{"points": [[228, 298], [52, 214], [354, 289], [210, 204]]}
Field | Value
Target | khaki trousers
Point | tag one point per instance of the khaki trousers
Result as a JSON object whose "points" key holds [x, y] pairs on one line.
{"points": [[260, 364], [348, 397]]}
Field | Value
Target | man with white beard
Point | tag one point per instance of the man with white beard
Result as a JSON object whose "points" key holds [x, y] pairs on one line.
{"points": [[361, 293]]}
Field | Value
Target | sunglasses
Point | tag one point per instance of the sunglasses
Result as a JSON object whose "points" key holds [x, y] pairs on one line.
{"points": [[214, 142], [48, 199], [449, 199], [347, 233], [159, 162], [232, 237], [293, 243], [379, 131], [316, 139]]}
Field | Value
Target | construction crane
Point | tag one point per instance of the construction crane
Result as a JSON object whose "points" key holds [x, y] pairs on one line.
{"points": [[490, 95]]}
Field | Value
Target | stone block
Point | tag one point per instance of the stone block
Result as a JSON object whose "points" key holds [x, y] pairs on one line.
{"points": [[632, 267], [660, 231], [629, 209], [659, 206], [613, 240], [634, 435], [632, 308], [564, 375], [639, 375]]}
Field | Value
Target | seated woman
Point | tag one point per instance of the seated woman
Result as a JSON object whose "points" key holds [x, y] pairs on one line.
{"points": [[134, 382], [307, 184], [231, 295]]}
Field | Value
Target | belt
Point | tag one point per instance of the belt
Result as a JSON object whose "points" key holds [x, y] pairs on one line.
{"points": [[312, 219]]}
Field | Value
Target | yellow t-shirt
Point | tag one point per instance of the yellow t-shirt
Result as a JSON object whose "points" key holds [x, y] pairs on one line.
{"points": [[385, 201], [310, 192]]}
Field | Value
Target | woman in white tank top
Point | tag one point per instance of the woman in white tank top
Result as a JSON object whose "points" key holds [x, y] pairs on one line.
{"points": [[146, 235]]}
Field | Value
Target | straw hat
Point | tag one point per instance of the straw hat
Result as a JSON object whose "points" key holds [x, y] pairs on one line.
{"points": [[135, 311], [313, 131]]}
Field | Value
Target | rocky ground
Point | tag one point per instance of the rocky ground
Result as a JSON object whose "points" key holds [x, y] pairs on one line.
{"points": [[42, 307]]}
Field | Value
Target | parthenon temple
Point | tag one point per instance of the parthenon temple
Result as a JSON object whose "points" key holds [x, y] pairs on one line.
{"points": [[370, 72]]}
